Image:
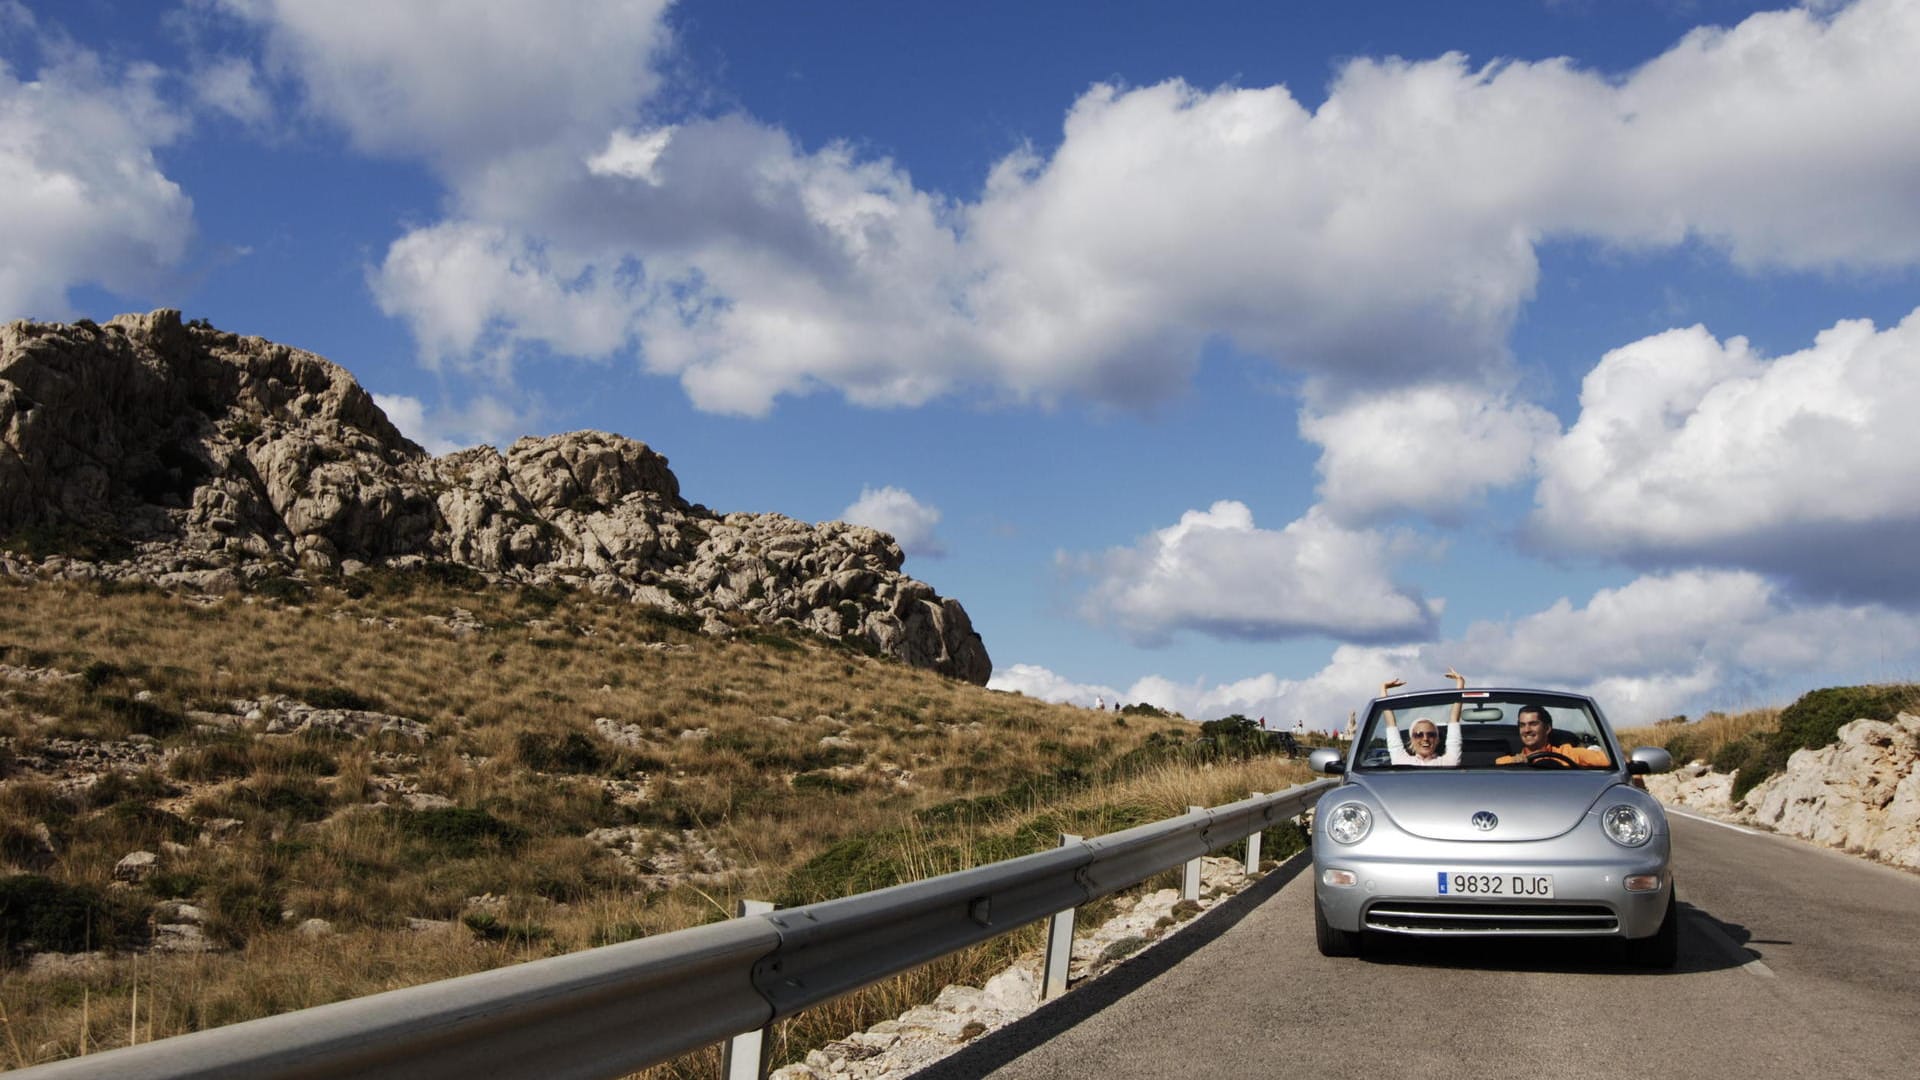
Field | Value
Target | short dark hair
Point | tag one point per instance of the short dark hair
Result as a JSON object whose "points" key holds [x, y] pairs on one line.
{"points": [[1545, 717]]}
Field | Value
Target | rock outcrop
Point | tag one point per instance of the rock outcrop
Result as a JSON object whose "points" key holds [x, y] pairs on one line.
{"points": [[1860, 793], [176, 453]]}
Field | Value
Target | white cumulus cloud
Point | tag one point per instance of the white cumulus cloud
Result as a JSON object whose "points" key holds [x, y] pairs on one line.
{"points": [[895, 511], [86, 202], [463, 87], [1038, 682], [1386, 237], [232, 85], [1685, 641], [1433, 449], [442, 430], [1690, 450], [1217, 573]]}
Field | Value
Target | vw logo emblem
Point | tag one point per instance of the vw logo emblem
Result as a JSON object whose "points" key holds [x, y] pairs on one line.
{"points": [[1485, 821]]}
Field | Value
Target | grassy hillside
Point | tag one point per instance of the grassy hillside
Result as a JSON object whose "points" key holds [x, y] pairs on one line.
{"points": [[455, 777], [1756, 744]]}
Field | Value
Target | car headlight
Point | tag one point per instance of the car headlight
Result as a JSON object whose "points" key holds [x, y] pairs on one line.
{"points": [[1349, 823], [1626, 825]]}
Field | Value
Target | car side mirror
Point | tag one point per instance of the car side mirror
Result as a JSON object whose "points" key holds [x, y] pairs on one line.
{"points": [[1648, 759], [1326, 760]]}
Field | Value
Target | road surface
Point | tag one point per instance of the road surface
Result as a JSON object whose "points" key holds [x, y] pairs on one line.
{"points": [[1796, 961]]}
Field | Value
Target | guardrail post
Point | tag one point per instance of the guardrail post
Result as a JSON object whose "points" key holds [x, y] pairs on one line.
{"points": [[1190, 879], [1053, 979], [1253, 842], [745, 1057]]}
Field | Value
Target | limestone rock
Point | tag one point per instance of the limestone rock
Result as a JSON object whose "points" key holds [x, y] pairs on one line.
{"points": [[181, 938], [171, 452], [1696, 787], [136, 866], [1860, 793]]}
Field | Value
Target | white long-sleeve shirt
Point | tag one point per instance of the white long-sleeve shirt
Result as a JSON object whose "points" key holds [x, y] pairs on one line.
{"points": [[1400, 755]]}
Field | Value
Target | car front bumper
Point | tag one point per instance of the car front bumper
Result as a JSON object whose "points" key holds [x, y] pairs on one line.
{"points": [[1399, 894]]}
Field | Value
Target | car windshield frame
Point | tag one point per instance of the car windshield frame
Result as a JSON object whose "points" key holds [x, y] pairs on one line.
{"points": [[1369, 753]]}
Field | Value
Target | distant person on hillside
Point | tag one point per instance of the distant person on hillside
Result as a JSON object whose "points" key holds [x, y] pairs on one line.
{"points": [[1099, 703], [1426, 734]]}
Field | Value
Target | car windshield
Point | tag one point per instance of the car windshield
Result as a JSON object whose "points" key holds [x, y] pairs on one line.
{"points": [[1497, 729]]}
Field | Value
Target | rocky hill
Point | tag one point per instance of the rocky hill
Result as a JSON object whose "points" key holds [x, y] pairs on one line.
{"points": [[1860, 793], [175, 453]]}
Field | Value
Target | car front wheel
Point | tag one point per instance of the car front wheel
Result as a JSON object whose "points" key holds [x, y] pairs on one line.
{"points": [[1662, 950], [1332, 942]]}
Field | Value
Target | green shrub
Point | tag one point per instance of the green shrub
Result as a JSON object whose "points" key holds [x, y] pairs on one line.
{"points": [[452, 576], [854, 865], [300, 760], [220, 761], [242, 905], [462, 833], [615, 933], [339, 697], [98, 674], [21, 846], [1748, 759], [142, 717], [284, 589], [1122, 949], [776, 642], [827, 782], [574, 752], [148, 825], [40, 914], [490, 928], [117, 787], [295, 798], [1282, 840], [1682, 748], [1816, 719], [1811, 722], [40, 541], [173, 885]]}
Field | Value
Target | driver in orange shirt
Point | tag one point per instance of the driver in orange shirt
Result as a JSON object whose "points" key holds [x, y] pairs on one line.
{"points": [[1536, 744]]}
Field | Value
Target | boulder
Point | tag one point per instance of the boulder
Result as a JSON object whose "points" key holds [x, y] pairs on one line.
{"points": [[136, 866], [1859, 793]]}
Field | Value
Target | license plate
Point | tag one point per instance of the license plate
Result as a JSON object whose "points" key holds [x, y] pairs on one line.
{"points": [[1514, 886]]}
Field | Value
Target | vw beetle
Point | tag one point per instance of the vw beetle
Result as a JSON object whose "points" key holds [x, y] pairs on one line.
{"points": [[1519, 833]]}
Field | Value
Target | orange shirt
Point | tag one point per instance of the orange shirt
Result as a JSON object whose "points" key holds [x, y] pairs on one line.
{"points": [[1579, 755]]}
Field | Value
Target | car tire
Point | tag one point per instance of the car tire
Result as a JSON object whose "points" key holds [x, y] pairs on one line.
{"points": [[1662, 949], [1332, 942]]}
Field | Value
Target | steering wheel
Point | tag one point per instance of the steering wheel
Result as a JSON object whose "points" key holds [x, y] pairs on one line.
{"points": [[1551, 759]]}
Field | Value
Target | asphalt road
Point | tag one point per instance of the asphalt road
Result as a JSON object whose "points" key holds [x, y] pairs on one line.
{"points": [[1795, 961]]}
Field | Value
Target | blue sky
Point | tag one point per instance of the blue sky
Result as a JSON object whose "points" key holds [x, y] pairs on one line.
{"points": [[1232, 356]]}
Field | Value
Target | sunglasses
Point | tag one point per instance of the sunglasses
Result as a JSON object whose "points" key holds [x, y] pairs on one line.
{"points": [[1426, 734]]}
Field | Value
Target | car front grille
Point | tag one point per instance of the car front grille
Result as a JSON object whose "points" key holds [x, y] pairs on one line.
{"points": [[1465, 919]]}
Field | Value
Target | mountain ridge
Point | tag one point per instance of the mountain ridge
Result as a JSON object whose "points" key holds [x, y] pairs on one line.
{"points": [[171, 452]]}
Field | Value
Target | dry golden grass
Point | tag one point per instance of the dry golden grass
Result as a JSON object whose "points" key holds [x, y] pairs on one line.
{"points": [[1703, 738], [724, 780]]}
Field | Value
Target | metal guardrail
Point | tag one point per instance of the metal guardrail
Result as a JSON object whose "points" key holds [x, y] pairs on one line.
{"points": [[609, 1011]]}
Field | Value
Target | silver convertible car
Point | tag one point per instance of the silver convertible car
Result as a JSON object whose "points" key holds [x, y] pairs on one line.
{"points": [[1492, 813]]}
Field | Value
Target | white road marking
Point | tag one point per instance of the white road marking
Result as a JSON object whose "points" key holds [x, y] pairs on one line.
{"points": [[1753, 966], [1713, 821]]}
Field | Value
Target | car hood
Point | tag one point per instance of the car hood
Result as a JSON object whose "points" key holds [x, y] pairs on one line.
{"points": [[1531, 804]]}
